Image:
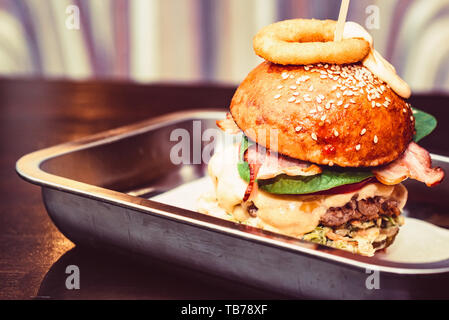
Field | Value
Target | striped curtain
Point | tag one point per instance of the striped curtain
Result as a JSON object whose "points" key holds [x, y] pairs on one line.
{"points": [[201, 40]]}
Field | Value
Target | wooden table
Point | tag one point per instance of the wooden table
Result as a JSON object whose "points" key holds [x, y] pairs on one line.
{"points": [[35, 114]]}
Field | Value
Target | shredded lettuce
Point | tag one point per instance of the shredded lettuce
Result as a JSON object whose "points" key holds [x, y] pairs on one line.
{"points": [[317, 236]]}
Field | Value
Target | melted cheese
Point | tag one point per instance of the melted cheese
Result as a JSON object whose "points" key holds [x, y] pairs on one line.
{"points": [[230, 188], [289, 214]]}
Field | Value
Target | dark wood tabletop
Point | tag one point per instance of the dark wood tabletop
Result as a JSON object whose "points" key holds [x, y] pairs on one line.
{"points": [[35, 114]]}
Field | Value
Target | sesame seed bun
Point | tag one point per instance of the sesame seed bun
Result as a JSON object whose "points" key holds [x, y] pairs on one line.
{"points": [[325, 114]]}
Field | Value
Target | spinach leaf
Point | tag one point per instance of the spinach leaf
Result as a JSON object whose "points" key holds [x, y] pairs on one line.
{"points": [[327, 180], [424, 124]]}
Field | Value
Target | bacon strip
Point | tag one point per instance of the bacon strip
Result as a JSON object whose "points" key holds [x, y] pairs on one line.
{"points": [[264, 164], [228, 125], [415, 163], [252, 185], [255, 161], [276, 164]]}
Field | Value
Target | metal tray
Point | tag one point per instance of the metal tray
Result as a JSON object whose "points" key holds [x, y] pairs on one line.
{"points": [[96, 189]]}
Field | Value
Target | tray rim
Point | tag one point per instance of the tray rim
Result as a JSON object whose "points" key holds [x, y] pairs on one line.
{"points": [[28, 168]]}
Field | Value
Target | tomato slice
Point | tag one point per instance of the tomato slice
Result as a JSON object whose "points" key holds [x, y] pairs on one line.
{"points": [[347, 188]]}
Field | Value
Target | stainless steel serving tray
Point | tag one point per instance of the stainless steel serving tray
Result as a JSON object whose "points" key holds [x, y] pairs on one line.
{"points": [[91, 191]]}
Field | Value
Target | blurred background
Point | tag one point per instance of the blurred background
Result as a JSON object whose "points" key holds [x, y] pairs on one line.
{"points": [[202, 40]]}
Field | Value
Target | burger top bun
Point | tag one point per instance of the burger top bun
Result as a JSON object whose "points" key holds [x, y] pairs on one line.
{"points": [[326, 114]]}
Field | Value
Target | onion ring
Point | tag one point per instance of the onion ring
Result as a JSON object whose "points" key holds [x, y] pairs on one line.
{"points": [[307, 41]]}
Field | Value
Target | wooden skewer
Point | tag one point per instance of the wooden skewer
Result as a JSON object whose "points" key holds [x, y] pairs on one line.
{"points": [[341, 20]]}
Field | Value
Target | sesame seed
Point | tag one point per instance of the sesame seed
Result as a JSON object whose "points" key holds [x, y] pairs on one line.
{"points": [[357, 147], [298, 101], [352, 101], [296, 93], [338, 95], [280, 87], [292, 77], [311, 88], [277, 96], [312, 111], [321, 96], [339, 103], [378, 104], [306, 68], [414, 111], [331, 163], [411, 118], [363, 132], [318, 99], [323, 76], [319, 108], [376, 139], [404, 110], [314, 137], [336, 133], [284, 75], [307, 98], [373, 103], [323, 118], [293, 87], [298, 128], [326, 66], [328, 105], [346, 106]]}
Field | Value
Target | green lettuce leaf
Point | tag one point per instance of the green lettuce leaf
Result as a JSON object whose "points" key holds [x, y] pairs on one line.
{"points": [[327, 180], [242, 165], [424, 124]]}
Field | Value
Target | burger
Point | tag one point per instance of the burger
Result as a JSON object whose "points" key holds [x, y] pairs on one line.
{"points": [[323, 144]]}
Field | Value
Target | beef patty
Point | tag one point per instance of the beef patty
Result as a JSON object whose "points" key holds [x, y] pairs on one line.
{"points": [[363, 210]]}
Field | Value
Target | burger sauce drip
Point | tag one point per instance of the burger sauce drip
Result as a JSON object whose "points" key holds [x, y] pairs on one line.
{"points": [[376, 63], [328, 149]]}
